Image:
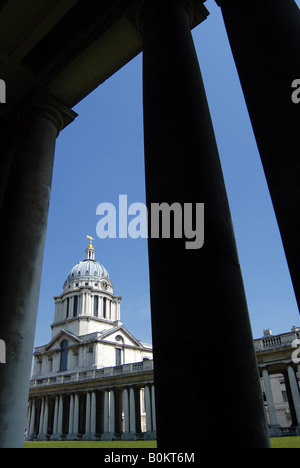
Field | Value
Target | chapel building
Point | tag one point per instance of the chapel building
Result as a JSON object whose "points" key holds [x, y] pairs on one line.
{"points": [[94, 380]]}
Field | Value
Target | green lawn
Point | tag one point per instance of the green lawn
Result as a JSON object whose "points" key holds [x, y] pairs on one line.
{"points": [[285, 442], [85, 444], [278, 442]]}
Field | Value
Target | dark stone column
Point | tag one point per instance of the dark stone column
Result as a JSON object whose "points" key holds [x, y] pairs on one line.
{"points": [[265, 42], [8, 133], [23, 222], [206, 376]]}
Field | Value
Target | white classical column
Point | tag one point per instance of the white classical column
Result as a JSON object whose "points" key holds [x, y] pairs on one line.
{"points": [[106, 435], [112, 413], [88, 304], [100, 313], [148, 409], [55, 417], [87, 416], [153, 408], [71, 306], [93, 415], [46, 418], [41, 425], [270, 399], [295, 392], [126, 412], [71, 415], [132, 411], [32, 419], [76, 415], [60, 417]]}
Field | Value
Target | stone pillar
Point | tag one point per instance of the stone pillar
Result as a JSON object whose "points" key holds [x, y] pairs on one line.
{"points": [[125, 435], [148, 407], [23, 222], [274, 430], [76, 416], [295, 393], [46, 418], [8, 134], [266, 47], [55, 418], [42, 414], [112, 414], [60, 417], [88, 416], [71, 416], [32, 420], [93, 415], [182, 166], [106, 431], [132, 414]]}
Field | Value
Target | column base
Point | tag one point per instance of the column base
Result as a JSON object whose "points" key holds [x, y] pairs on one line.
{"points": [[128, 436], [275, 431], [107, 436], [89, 437], [151, 435]]}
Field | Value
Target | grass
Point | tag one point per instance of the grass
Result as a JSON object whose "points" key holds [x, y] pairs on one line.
{"points": [[285, 442], [278, 442], [87, 444]]}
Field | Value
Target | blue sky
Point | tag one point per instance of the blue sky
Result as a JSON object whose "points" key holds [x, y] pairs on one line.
{"points": [[101, 156]]}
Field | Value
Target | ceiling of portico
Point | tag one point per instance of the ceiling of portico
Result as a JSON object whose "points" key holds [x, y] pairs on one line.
{"points": [[66, 47]]}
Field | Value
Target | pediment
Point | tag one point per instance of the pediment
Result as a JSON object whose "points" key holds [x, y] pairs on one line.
{"points": [[62, 335], [119, 335]]}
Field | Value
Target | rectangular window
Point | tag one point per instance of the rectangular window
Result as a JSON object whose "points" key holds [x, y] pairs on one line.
{"points": [[104, 307], [95, 306], [68, 304], [118, 357], [75, 309]]}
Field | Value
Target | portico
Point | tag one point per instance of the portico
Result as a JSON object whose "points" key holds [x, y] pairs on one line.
{"points": [[104, 404], [51, 58]]}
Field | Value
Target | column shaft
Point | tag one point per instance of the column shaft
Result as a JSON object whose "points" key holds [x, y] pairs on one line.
{"points": [[93, 414], [182, 166], [295, 392], [23, 222], [270, 399], [88, 415], [266, 47]]}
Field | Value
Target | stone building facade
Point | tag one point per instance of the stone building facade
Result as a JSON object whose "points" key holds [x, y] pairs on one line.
{"points": [[279, 368], [94, 379]]}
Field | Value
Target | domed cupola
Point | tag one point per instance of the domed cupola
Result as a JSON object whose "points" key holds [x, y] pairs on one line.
{"points": [[88, 303], [88, 269]]}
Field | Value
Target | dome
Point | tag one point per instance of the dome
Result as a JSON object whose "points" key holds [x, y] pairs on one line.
{"points": [[88, 269]]}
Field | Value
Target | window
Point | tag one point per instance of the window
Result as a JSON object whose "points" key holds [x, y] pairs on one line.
{"points": [[104, 307], [118, 357], [68, 305], [75, 308], [63, 356], [96, 306]]}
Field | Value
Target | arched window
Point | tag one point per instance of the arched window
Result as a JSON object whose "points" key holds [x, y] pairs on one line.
{"points": [[63, 356]]}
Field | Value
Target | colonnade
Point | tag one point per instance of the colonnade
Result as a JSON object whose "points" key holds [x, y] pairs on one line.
{"points": [[114, 413], [181, 165], [293, 395]]}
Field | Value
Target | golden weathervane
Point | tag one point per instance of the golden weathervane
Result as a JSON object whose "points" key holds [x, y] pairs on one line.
{"points": [[90, 244]]}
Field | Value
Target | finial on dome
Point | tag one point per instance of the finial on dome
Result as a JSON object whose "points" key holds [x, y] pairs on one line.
{"points": [[90, 251], [90, 244]]}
